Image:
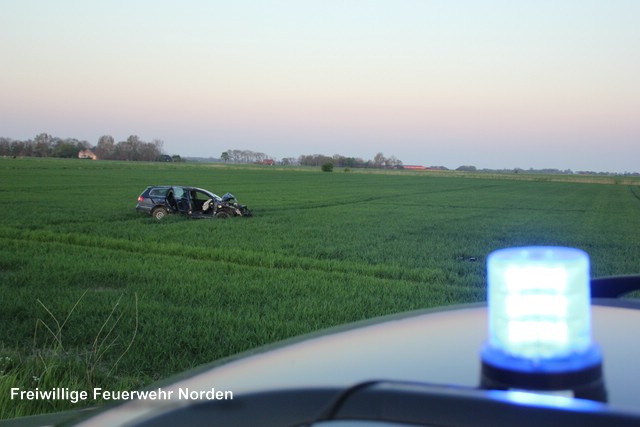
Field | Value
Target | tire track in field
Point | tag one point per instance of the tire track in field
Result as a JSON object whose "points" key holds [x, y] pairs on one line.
{"points": [[430, 205], [376, 198], [240, 257]]}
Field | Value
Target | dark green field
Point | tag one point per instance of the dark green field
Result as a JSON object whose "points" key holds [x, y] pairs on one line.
{"points": [[94, 294]]}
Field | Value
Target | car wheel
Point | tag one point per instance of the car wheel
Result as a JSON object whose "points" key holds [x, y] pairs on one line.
{"points": [[223, 215], [159, 213]]}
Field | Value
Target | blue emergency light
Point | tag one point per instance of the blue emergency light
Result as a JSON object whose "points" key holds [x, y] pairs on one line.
{"points": [[540, 323]]}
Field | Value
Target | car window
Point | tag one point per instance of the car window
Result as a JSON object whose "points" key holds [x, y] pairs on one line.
{"points": [[178, 192], [158, 192], [200, 196]]}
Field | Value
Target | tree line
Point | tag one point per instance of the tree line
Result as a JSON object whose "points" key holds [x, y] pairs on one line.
{"points": [[135, 149], [248, 156], [243, 156], [45, 145], [378, 161], [132, 149]]}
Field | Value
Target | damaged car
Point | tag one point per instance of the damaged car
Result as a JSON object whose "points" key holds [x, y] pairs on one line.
{"points": [[162, 200]]}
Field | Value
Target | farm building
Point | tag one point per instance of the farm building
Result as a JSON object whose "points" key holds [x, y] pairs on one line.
{"points": [[87, 154]]}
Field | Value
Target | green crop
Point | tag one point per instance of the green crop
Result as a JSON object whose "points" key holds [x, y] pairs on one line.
{"points": [[96, 294]]}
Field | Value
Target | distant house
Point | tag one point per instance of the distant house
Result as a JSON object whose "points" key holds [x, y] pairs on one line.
{"points": [[269, 162], [87, 154], [414, 167]]}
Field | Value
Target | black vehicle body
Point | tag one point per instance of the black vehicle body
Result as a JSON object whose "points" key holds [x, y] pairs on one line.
{"points": [[161, 200], [229, 207]]}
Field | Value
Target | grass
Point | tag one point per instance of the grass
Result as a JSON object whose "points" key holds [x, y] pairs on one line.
{"points": [[94, 294]]}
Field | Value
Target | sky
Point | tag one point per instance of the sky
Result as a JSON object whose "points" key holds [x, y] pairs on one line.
{"points": [[489, 83]]}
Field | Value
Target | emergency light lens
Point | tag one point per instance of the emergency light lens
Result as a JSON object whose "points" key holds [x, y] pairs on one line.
{"points": [[539, 304], [540, 324]]}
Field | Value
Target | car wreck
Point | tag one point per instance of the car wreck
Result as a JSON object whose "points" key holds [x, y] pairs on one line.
{"points": [[198, 203]]}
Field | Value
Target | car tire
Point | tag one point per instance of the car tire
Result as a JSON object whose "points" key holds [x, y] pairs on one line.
{"points": [[159, 213], [223, 215]]}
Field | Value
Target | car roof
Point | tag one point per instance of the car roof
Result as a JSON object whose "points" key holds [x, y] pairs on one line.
{"points": [[185, 187], [432, 346]]}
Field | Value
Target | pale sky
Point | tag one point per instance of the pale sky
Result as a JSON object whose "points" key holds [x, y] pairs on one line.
{"points": [[494, 84]]}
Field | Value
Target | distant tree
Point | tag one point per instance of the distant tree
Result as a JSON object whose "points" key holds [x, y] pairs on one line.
{"points": [[379, 160], [225, 156], [246, 156], [338, 160], [67, 148], [393, 162], [42, 145], [327, 167], [5, 146], [466, 168], [353, 162], [106, 147], [314, 160], [150, 151], [158, 145], [131, 149], [20, 148]]}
